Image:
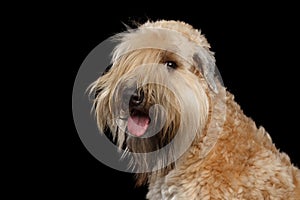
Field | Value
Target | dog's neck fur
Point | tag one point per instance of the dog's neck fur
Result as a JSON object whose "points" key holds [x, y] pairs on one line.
{"points": [[201, 146], [205, 156], [205, 140]]}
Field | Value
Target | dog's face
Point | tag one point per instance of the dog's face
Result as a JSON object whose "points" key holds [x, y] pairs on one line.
{"points": [[154, 98]]}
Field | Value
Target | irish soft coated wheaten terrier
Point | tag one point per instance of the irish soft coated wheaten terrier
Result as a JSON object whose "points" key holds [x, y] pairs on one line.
{"points": [[162, 100]]}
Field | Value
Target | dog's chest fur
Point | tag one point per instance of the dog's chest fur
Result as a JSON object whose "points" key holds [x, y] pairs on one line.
{"points": [[243, 164]]}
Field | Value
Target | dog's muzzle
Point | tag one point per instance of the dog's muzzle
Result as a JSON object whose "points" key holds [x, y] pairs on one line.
{"points": [[138, 120], [137, 98]]}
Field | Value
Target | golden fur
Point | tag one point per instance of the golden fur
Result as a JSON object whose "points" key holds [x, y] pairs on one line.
{"points": [[229, 158]]}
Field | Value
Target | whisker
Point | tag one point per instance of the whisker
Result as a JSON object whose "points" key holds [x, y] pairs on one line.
{"points": [[124, 153]]}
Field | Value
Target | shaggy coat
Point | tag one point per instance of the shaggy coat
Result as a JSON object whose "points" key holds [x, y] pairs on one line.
{"points": [[230, 157]]}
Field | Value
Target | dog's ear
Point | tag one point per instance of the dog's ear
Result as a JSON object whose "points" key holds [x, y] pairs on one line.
{"points": [[105, 71], [205, 60], [106, 130], [99, 90]]}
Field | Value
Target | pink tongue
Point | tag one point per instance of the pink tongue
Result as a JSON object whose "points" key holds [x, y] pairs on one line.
{"points": [[137, 125]]}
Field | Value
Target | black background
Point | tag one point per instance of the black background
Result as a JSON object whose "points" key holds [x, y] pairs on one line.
{"points": [[256, 52]]}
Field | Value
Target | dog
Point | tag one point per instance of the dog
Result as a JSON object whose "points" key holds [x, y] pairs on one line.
{"points": [[163, 102]]}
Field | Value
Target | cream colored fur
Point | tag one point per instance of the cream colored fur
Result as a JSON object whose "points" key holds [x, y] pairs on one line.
{"points": [[230, 158]]}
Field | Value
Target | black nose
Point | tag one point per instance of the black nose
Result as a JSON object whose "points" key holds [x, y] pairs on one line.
{"points": [[137, 98]]}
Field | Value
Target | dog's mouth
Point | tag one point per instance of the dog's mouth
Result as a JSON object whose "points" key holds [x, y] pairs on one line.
{"points": [[138, 122]]}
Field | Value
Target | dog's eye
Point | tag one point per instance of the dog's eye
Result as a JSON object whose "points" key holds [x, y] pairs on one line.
{"points": [[171, 64]]}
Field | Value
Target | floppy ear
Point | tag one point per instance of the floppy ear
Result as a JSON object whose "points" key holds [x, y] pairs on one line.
{"points": [[206, 63], [106, 130], [97, 91], [105, 71]]}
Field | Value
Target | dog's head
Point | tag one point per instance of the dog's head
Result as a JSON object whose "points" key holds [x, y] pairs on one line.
{"points": [[154, 98]]}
